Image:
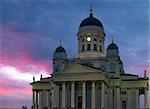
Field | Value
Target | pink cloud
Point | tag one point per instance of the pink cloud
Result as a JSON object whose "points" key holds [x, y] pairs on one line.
{"points": [[17, 93], [17, 68]]}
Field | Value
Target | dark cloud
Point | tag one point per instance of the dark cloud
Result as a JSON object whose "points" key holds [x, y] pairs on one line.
{"points": [[32, 29]]}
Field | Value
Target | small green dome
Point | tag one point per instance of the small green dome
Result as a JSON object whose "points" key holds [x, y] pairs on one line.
{"points": [[112, 46], [60, 49], [112, 50], [60, 53]]}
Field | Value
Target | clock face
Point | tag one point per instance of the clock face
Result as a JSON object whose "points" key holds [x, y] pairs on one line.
{"points": [[88, 38]]}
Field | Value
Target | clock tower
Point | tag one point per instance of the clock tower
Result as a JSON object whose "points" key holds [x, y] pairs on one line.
{"points": [[91, 38]]}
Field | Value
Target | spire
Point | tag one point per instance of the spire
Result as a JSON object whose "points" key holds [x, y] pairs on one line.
{"points": [[60, 43], [91, 10], [112, 39]]}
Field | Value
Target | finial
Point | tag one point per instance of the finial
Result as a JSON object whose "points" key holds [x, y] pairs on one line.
{"points": [[33, 79], [41, 76], [91, 10], [112, 39], [60, 43]]}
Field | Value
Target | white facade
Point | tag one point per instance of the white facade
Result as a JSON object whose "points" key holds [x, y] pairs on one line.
{"points": [[92, 80]]}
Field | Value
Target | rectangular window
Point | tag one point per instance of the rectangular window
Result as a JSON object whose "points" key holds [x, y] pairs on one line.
{"points": [[100, 48], [82, 47], [88, 46], [95, 47]]}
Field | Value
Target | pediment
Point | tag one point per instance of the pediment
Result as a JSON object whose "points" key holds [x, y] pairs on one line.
{"points": [[79, 73], [79, 69]]}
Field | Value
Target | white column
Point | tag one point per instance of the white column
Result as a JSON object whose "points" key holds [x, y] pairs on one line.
{"points": [[53, 96], [63, 96], [128, 99], [93, 95], [57, 96], [118, 97], [49, 106], [137, 99], [102, 95], [40, 104], [145, 99], [72, 95], [83, 96]]}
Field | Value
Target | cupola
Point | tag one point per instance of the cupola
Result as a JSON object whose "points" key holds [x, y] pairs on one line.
{"points": [[112, 50], [60, 53], [91, 37]]}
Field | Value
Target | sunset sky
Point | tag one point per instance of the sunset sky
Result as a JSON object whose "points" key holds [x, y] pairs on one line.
{"points": [[30, 30]]}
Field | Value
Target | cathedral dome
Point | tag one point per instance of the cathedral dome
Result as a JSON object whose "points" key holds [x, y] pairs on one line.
{"points": [[112, 50], [60, 53], [91, 21]]}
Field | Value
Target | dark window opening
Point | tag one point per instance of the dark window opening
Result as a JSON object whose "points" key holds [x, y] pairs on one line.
{"points": [[100, 40], [123, 104], [95, 39], [79, 102], [123, 92], [120, 70], [100, 48], [88, 46], [82, 47], [83, 40], [95, 47]]}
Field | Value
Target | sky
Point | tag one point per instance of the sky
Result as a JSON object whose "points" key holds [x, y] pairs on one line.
{"points": [[31, 30]]}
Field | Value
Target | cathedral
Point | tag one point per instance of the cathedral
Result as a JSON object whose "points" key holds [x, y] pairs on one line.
{"points": [[95, 79]]}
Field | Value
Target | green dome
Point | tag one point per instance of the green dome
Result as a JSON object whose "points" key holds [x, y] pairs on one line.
{"points": [[91, 21]]}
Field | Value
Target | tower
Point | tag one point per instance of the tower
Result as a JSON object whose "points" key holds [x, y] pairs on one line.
{"points": [[91, 38], [114, 63], [59, 59]]}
